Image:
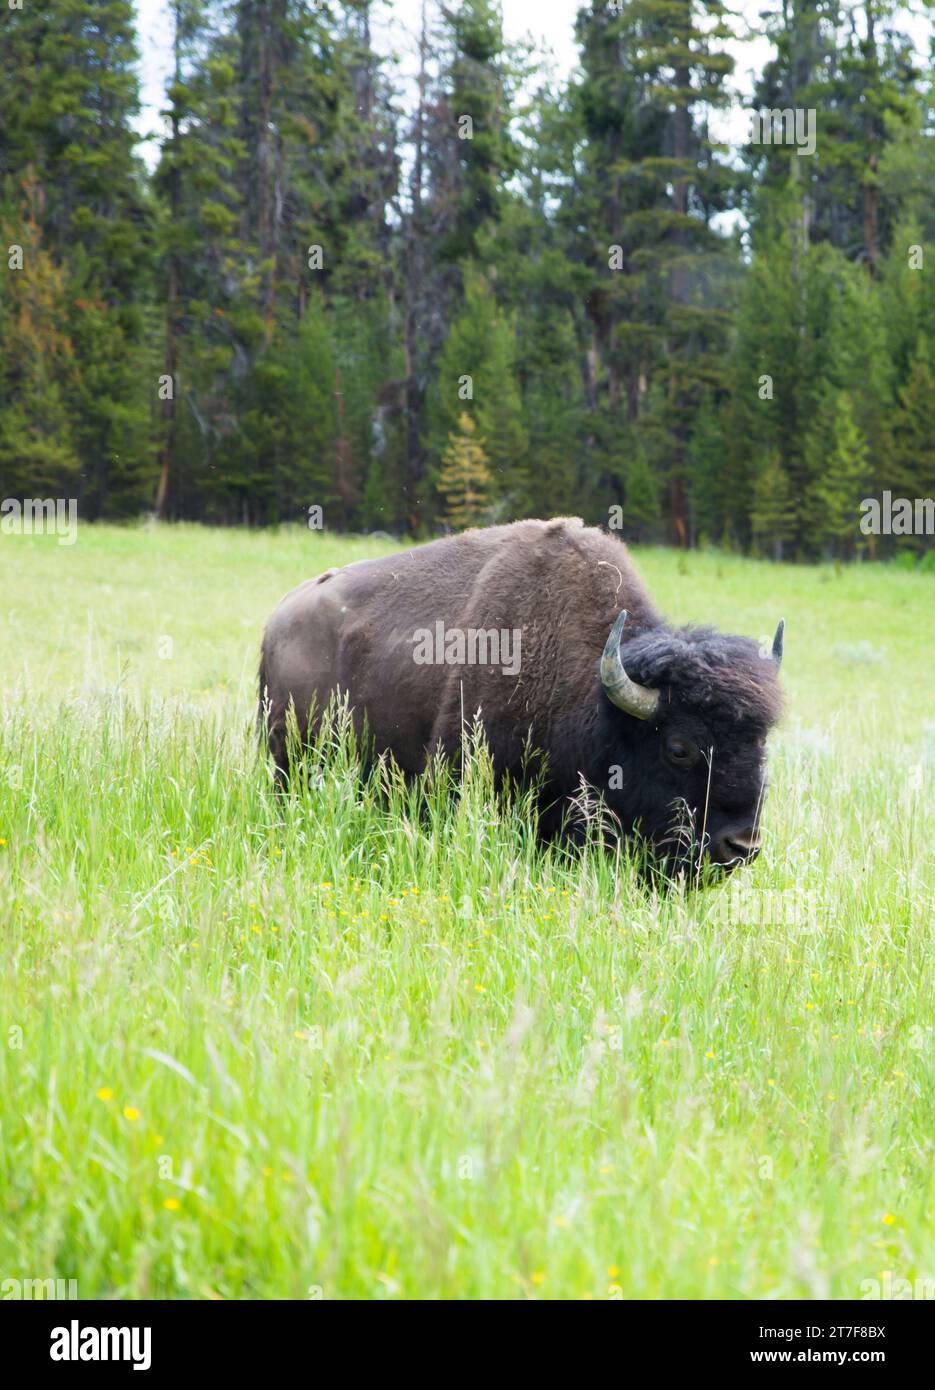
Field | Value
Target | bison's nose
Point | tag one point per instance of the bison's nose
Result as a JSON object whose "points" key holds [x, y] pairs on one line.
{"points": [[735, 844]]}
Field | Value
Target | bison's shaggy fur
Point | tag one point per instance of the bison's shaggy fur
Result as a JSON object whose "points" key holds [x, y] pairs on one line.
{"points": [[690, 779]]}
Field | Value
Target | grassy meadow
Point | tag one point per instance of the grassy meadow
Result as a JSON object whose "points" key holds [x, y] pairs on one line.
{"points": [[345, 1046]]}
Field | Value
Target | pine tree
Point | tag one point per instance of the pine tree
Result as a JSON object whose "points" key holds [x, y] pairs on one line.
{"points": [[772, 514], [480, 155], [854, 68], [651, 181], [476, 374], [462, 154], [70, 93], [289, 417], [641, 502], [913, 464], [211, 327], [178, 236], [464, 480], [714, 504], [552, 413], [837, 453], [555, 269], [808, 329], [539, 287], [37, 366]]}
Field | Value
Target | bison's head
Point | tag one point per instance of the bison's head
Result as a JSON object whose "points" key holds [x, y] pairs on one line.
{"points": [[690, 710]]}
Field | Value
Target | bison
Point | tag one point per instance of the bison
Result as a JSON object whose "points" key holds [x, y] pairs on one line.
{"points": [[544, 632]]}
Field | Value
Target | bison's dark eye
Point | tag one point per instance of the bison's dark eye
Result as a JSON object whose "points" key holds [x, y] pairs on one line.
{"points": [[680, 752]]}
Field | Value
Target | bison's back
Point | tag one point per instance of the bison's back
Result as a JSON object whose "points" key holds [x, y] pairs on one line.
{"points": [[352, 631]]}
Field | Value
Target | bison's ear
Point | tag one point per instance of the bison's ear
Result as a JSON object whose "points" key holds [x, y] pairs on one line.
{"points": [[777, 642], [638, 700]]}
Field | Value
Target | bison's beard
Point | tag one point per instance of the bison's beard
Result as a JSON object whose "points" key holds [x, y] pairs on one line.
{"points": [[678, 852], [669, 851]]}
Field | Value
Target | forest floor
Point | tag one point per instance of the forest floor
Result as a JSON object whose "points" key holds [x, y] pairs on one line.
{"points": [[333, 1047]]}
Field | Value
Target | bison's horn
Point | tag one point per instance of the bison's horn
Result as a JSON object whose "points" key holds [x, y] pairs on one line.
{"points": [[633, 699], [777, 642]]}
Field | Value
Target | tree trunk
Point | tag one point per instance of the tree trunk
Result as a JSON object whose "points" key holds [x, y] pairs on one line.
{"points": [[172, 290], [415, 259], [868, 187]]}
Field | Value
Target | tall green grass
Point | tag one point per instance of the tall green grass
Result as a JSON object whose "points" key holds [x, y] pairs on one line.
{"points": [[371, 1040]]}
